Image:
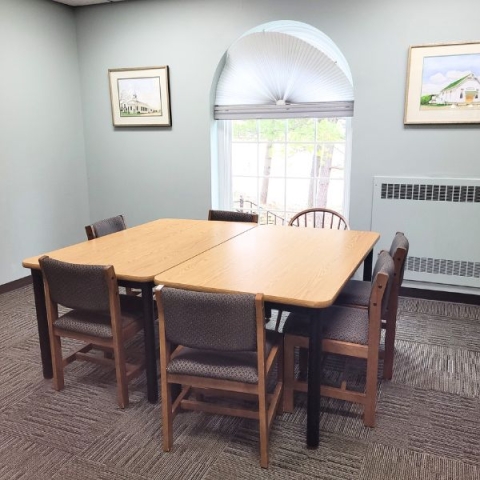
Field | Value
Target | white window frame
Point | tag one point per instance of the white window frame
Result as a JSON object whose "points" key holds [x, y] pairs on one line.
{"points": [[223, 198]]}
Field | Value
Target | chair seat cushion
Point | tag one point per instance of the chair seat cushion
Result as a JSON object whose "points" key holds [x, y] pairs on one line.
{"points": [[355, 292], [99, 324], [234, 366], [345, 324]]}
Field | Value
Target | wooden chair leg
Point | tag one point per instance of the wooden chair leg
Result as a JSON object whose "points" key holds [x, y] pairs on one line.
{"points": [[167, 417], [280, 377], [57, 362], [288, 374], [121, 374], [389, 352], [371, 389], [263, 426]]}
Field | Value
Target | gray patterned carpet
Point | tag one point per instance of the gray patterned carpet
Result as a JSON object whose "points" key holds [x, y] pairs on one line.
{"points": [[428, 416]]}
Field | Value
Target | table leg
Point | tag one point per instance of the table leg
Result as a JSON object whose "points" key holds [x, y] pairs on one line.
{"points": [[150, 350], [367, 267], [42, 323], [314, 380]]}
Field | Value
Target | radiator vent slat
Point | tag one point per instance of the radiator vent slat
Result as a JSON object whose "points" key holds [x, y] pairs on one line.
{"points": [[459, 268], [430, 192]]}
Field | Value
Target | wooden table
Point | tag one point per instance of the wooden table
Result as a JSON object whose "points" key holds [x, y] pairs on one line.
{"points": [[137, 254], [302, 268]]}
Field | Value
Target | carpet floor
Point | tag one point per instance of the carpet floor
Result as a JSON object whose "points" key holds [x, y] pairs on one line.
{"points": [[428, 415]]}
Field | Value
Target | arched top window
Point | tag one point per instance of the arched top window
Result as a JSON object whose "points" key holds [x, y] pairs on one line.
{"points": [[282, 102], [284, 69]]}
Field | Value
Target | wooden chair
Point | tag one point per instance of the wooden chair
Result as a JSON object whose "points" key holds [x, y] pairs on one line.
{"points": [[315, 218], [347, 331], [319, 218], [356, 294], [105, 227], [221, 349], [228, 216], [97, 317]]}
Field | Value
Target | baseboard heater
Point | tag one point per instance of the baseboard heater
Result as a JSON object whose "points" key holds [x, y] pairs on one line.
{"points": [[441, 219]]}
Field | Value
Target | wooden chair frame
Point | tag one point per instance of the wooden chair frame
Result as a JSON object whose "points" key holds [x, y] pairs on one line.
{"points": [[336, 217], [201, 387], [124, 371], [370, 352], [389, 323]]}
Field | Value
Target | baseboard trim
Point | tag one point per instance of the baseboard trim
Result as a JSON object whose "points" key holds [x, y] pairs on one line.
{"points": [[10, 286], [440, 295]]}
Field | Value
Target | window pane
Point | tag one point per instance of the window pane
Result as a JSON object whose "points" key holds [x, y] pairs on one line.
{"points": [[299, 160], [272, 130], [301, 130], [244, 130], [330, 129], [336, 193], [245, 191], [244, 159], [272, 193], [298, 192], [271, 159]]}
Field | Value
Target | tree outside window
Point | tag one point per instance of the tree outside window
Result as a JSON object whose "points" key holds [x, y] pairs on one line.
{"points": [[282, 166]]}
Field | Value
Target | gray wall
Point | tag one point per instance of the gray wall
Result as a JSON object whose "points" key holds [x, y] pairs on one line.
{"points": [[150, 173], [43, 181], [167, 172]]}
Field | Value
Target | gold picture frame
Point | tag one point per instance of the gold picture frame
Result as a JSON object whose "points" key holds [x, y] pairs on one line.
{"points": [[443, 84], [140, 97]]}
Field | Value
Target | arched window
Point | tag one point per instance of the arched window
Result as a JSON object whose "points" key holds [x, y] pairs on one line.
{"points": [[282, 105]]}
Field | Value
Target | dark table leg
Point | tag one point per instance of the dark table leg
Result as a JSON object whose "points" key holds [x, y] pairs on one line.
{"points": [[314, 380], [367, 267], [42, 322], [150, 349]]}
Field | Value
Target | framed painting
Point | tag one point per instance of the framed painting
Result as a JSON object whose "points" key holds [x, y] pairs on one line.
{"points": [[443, 84], [140, 97]]}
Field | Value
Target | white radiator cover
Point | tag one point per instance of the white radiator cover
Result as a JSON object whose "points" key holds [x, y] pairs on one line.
{"points": [[441, 219]]}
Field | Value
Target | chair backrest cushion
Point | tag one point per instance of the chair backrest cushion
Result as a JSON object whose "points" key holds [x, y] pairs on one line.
{"points": [[384, 264], [76, 286], [108, 226], [231, 216], [210, 321]]}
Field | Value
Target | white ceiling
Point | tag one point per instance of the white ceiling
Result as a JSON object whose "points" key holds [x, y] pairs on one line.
{"points": [[81, 3]]}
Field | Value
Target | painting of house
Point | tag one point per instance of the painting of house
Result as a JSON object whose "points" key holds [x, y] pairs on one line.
{"points": [[464, 91], [139, 96], [450, 81], [134, 107]]}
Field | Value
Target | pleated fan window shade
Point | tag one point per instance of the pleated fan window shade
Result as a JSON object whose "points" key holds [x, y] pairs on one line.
{"points": [[284, 70]]}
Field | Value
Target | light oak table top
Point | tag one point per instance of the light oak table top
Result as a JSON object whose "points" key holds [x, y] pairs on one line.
{"points": [[296, 266], [139, 253]]}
